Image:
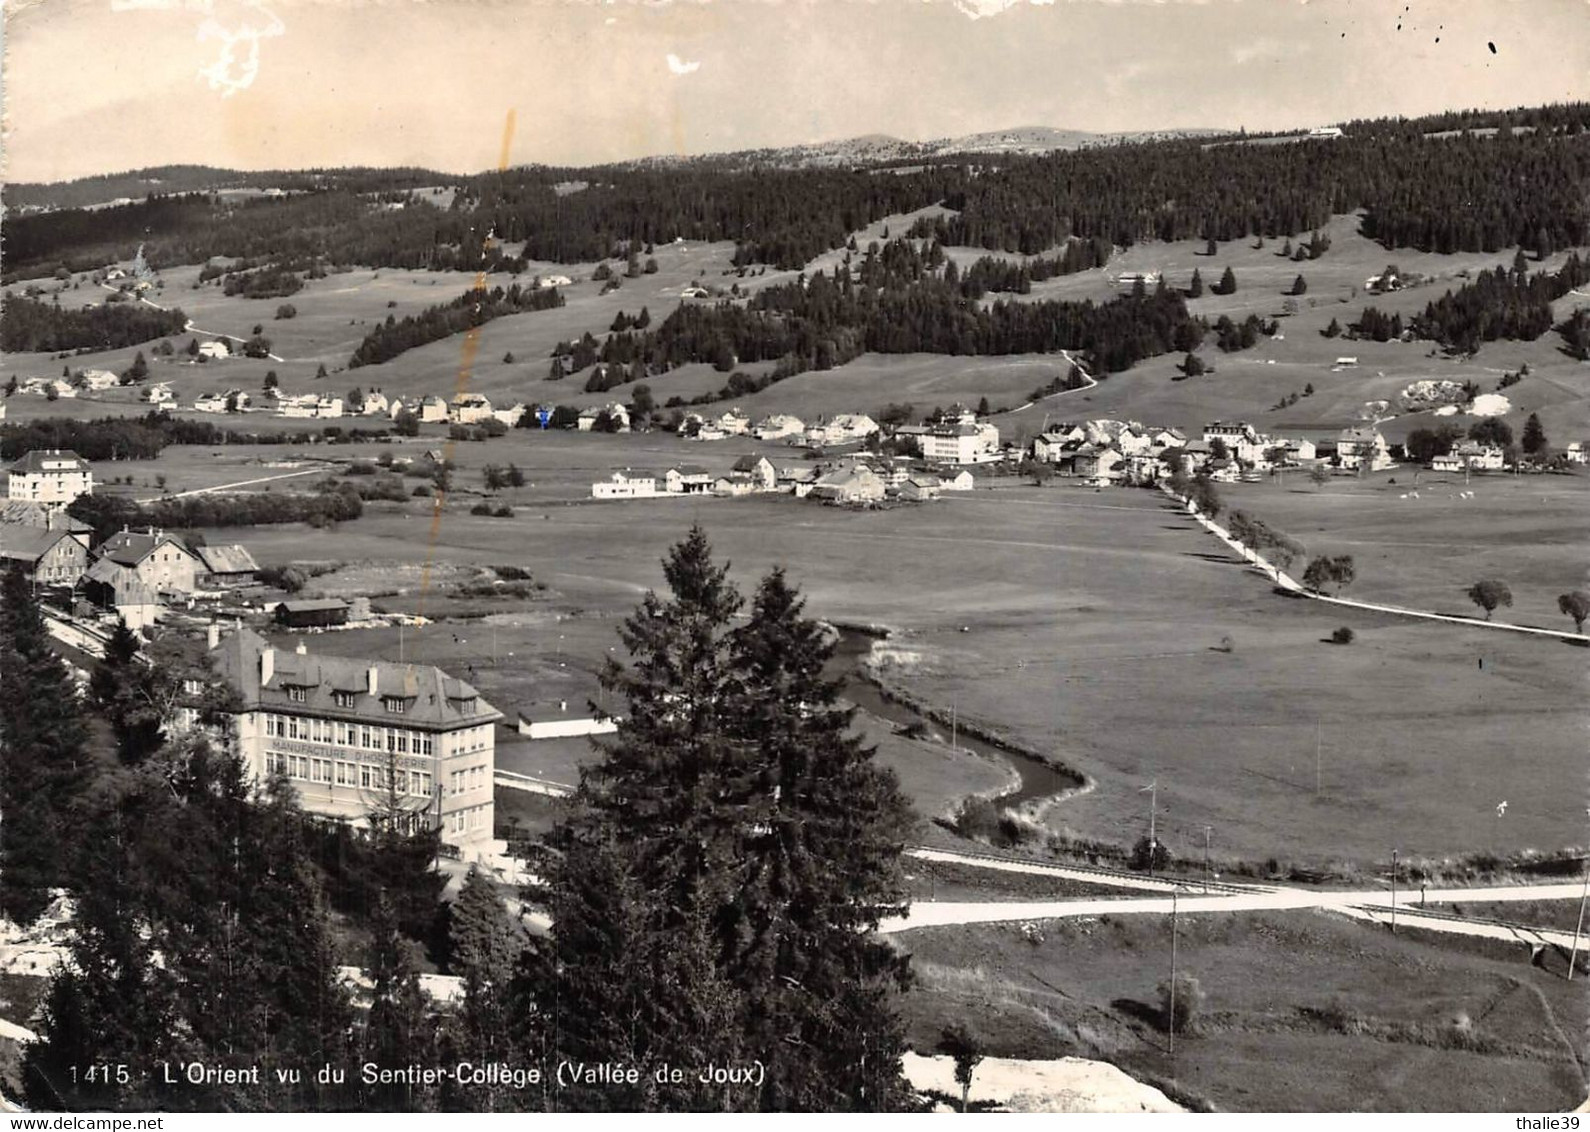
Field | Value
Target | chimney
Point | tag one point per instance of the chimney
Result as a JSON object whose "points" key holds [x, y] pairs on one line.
{"points": [[214, 636], [267, 665], [563, 705], [375, 685], [302, 649]]}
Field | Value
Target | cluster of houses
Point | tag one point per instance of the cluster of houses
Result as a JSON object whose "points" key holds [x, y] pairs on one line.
{"points": [[858, 479], [845, 428], [1105, 451], [134, 573]]}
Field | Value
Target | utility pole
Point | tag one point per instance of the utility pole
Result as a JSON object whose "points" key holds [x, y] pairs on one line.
{"points": [[1573, 956], [1153, 842], [1207, 830], [1393, 892], [1172, 1019]]}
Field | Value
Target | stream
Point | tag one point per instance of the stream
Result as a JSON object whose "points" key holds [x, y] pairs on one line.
{"points": [[1039, 780]]}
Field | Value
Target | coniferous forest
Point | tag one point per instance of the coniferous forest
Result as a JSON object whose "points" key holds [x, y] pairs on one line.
{"points": [[1417, 186], [29, 325]]}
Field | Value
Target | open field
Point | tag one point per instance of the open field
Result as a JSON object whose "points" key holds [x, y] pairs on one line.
{"points": [[1530, 531], [1094, 623], [1302, 1011]]}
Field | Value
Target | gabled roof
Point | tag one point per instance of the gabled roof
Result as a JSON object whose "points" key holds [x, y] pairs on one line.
{"points": [[749, 463], [231, 559], [689, 470], [33, 463], [29, 544], [26, 513], [129, 548]]}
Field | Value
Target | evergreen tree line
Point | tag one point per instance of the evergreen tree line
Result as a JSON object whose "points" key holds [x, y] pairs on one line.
{"points": [[108, 514], [893, 304], [1435, 194], [991, 274], [30, 326], [270, 282], [1498, 304], [473, 308], [143, 438]]}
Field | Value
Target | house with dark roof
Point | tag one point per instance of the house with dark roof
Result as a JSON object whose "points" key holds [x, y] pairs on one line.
{"points": [[312, 613], [48, 557], [755, 470], [352, 736], [161, 561], [52, 477], [230, 565]]}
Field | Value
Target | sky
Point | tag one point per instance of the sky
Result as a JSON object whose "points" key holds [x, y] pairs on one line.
{"points": [[97, 86]]}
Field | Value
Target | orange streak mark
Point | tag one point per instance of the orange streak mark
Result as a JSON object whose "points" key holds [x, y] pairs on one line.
{"points": [[466, 365]]}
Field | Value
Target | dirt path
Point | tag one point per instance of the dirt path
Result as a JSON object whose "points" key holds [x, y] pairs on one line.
{"points": [[230, 486]]}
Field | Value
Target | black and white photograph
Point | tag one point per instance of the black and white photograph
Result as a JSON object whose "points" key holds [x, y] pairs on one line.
{"points": [[794, 556]]}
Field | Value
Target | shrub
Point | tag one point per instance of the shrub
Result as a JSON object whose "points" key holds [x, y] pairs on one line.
{"points": [[1148, 854], [1189, 999], [977, 818], [503, 512], [1342, 636], [512, 573], [289, 579], [480, 509], [421, 491]]}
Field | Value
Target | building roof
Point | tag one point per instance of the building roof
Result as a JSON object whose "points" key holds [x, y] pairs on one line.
{"points": [[435, 700], [312, 605], [25, 512], [29, 544], [749, 463], [232, 559], [131, 547], [130, 589], [690, 470], [33, 463]]}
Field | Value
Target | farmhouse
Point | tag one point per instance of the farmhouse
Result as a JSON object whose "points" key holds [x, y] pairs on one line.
{"points": [[919, 488], [845, 428], [350, 734], [798, 479], [312, 613], [95, 380], [734, 423], [230, 565], [616, 415], [52, 477], [46, 557], [777, 427], [755, 470], [433, 409], [469, 408], [1575, 452], [160, 561], [626, 484], [511, 416], [853, 483], [374, 404], [545, 281], [1358, 447], [1470, 455], [687, 479], [215, 350]]}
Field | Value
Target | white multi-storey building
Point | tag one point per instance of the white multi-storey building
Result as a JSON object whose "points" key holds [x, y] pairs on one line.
{"points": [[354, 736], [52, 477]]}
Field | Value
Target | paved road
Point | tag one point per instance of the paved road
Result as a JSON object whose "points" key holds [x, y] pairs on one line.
{"points": [[1373, 905]]}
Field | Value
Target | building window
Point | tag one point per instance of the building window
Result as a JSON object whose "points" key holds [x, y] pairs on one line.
{"points": [[298, 695], [343, 699], [394, 704]]}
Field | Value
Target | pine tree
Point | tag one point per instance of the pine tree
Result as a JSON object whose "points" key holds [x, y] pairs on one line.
{"points": [[1533, 440], [1299, 285], [134, 695], [398, 1029], [825, 844], [1196, 287], [485, 953], [44, 764], [1227, 284]]}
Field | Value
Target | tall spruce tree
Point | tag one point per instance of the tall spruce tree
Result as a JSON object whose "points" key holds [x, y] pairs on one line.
{"points": [[134, 695], [825, 848], [714, 891], [399, 1029], [485, 952], [44, 762]]}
